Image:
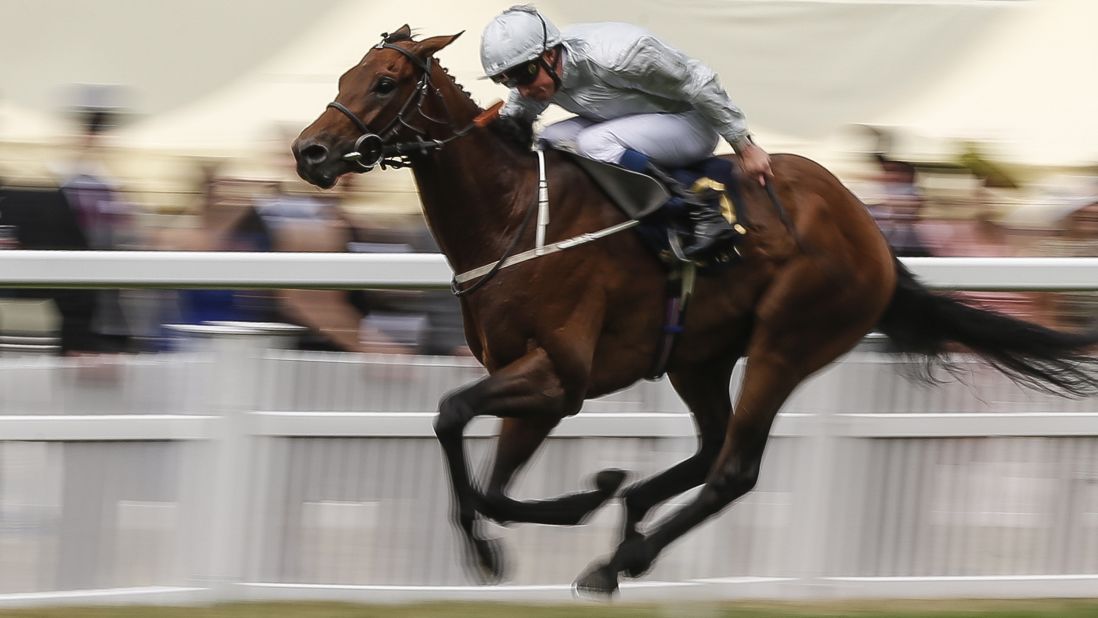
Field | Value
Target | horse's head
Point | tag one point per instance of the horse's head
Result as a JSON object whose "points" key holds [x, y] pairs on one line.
{"points": [[387, 106]]}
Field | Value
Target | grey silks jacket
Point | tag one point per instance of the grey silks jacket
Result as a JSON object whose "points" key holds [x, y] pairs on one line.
{"points": [[613, 69]]}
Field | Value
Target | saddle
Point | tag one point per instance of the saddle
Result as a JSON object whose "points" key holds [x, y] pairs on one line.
{"points": [[661, 206]]}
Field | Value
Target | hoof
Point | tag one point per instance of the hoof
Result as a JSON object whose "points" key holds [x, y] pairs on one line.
{"points": [[599, 583], [487, 560], [635, 556], [608, 481]]}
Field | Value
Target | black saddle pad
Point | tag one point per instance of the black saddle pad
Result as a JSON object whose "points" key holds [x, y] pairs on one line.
{"points": [[637, 195], [713, 173], [660, 213]]}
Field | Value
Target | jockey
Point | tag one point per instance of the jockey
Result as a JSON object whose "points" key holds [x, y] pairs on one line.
{"points": [[637, 100]]}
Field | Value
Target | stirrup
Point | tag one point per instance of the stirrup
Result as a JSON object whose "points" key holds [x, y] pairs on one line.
{"points": [[676, 247]]}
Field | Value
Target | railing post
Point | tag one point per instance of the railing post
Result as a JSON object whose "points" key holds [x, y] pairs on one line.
{"points": [[807, 558], [235, 352]]}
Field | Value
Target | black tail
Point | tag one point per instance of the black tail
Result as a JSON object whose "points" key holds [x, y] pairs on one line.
{"points": [[922, 322]]}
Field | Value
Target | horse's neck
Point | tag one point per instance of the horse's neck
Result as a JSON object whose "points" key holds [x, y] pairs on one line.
{"points": [[473, 197]]}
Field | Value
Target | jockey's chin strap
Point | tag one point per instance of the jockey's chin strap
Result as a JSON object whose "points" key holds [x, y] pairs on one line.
{"points": [[371, 149], [551, 69]]}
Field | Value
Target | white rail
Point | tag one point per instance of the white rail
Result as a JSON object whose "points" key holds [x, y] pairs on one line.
{"points": [[181, 269]]}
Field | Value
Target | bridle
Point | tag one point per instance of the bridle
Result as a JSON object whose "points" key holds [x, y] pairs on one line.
{"points": [[371, 149]]}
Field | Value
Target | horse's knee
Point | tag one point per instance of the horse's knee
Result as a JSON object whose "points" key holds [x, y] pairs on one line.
{"points": [[710, 447], [737, 477], [453, 416], [493, 505]]}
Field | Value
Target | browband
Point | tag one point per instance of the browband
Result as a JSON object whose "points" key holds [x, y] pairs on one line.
{"points": [[424, 65]]}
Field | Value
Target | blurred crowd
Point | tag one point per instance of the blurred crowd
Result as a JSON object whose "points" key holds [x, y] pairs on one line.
{"points": [[84, 207], [990, 213], [969, 207]]}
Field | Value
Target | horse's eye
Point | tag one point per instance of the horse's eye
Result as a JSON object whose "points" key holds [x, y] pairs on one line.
{"points": [[385, 86]]}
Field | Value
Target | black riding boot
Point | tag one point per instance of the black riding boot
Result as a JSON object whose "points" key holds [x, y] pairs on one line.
{"points": [[711, 229]]}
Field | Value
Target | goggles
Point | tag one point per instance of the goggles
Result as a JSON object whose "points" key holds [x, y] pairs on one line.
{"points": [[521, 75]]}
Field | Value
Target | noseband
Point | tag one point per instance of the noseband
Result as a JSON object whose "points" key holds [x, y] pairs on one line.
{"points": [[371, 149]]}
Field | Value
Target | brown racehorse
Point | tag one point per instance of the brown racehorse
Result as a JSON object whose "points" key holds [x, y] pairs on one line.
{"points": [[584, 322]]}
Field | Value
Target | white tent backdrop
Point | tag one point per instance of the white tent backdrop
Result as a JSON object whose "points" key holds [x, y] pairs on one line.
{"points": [[804, 71], [293, 87], [1031, 88], [22, 124], [167, 53]]}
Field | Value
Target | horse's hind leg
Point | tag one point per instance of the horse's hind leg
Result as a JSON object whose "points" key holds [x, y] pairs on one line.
{"points": [[768, 381], [806, 323], [519, 438], [705, 391]]}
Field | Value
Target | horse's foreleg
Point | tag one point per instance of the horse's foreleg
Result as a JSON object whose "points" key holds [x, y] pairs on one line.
{"points": [[705, 391], [519, 438], [768, 382], [528, 389]]}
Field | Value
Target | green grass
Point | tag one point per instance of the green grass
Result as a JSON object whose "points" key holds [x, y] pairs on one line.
{"points": [[868, 609]]}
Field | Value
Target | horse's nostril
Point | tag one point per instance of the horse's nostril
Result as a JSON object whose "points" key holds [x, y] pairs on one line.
{"points": [[314, 154]]}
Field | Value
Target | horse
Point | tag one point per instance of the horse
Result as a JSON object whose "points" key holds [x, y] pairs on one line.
{"points": [[580, 323]]}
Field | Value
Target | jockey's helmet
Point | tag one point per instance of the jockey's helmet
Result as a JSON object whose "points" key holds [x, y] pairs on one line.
{"points": [[516, 36]]}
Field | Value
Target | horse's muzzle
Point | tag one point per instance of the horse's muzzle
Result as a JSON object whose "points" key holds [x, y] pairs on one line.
{"points": [[321, 165], [316, 164]]}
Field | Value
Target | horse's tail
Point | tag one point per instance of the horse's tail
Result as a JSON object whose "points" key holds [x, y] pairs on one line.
{"points": [[923, 322]]}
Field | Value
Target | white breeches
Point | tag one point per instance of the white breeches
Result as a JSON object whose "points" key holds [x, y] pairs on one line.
{"points": [[667, 139]]}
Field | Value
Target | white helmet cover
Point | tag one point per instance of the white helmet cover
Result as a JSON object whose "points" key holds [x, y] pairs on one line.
{"points": [[516, 35]]}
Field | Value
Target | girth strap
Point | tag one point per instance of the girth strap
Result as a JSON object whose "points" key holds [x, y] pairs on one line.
{"points": [[680, 288]]}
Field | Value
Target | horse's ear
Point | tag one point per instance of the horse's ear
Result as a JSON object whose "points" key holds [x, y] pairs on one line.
{"points": [[427, 47], [403, 32]]}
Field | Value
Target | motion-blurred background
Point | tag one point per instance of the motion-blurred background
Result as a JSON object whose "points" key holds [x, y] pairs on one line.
{"points": [[968, 127]]}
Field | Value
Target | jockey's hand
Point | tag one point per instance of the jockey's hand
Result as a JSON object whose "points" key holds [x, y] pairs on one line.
{"points": [[755, 162]]}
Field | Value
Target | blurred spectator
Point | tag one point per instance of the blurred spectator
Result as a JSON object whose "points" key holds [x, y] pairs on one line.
{"points": [[41, 218], [228, 221], [981, 235], [428, 322], [105, 218], [369, 321], [302, 220], [1077, 236], [900, 208]]}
